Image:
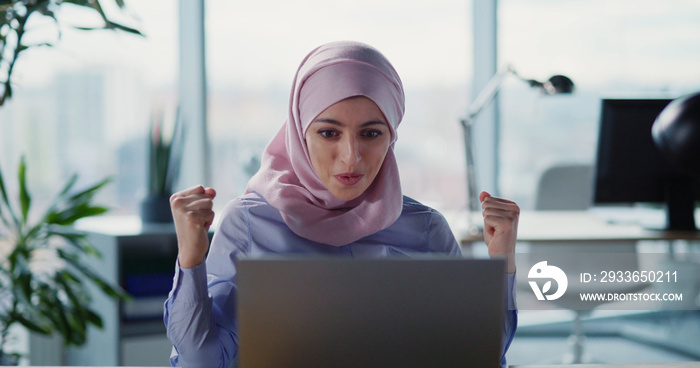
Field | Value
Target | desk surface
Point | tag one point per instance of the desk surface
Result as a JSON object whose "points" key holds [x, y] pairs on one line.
{"points": [[638, 365], [557, 226]]}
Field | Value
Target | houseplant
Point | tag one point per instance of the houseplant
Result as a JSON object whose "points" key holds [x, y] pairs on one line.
{"points": [[15, 15], [43, 274], [42, 271], [164, 154]]}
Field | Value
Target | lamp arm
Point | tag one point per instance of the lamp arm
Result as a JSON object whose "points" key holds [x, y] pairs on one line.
{"points": [[486, 95], [473, 204], [482, 100]]}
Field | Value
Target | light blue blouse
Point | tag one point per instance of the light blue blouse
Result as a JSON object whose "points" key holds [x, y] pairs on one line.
{"points": [[200, 311]]}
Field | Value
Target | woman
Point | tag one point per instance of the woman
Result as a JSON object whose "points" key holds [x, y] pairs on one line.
{"points": [[328, 184]]}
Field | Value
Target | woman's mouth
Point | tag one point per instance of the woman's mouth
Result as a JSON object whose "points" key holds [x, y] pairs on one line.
{"points": [[348, 178]]}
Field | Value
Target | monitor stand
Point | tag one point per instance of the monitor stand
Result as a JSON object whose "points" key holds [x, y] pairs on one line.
{"points": [[680, 204]]}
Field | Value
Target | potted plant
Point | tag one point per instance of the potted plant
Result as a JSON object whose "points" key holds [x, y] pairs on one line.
{"points": [[43, 275], [164, 154], [42, 271]]}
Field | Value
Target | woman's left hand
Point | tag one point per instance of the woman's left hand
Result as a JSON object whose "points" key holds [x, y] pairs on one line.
{"points": [[500, 227]]}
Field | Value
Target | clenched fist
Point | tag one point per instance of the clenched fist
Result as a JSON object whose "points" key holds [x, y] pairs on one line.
{"points": [[193, 215], [500, 227]]}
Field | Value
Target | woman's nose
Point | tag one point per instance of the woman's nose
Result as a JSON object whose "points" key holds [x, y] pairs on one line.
{"points": [[350, 151]]}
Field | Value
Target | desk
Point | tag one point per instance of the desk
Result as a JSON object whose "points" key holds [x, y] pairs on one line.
{"points": [[572, 227], [638, 365], [584, 226]]}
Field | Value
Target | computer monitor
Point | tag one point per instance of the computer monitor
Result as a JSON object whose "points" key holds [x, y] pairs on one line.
{"points": [[631, 169]]}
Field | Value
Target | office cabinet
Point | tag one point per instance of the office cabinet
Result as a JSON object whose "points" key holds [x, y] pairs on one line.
{"points": [[141, 259]]}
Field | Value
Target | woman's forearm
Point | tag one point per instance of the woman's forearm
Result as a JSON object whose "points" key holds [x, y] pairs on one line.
{"points": [[191, 325]]}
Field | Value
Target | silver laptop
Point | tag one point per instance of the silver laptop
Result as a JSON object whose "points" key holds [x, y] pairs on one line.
{"points": [[397, 312]]}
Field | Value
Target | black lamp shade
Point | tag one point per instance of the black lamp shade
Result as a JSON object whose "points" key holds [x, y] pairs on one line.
{"points": [[559, 84], [676, 132]]}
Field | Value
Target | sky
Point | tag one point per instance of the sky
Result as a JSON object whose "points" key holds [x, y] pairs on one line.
{"points": [[601, 41], [248, 44], [256, 43]]}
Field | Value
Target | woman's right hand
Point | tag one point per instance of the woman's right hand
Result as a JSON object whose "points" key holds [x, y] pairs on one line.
{"points": [[193, 215]]}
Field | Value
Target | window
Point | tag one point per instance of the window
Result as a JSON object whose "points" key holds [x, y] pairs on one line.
{"points": [[609, 49], [254, 48], [84, 105]]}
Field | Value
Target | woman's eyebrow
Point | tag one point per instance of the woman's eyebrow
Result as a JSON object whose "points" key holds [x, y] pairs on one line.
{"points": [[329, 121], [373, 122], [338, 123]]}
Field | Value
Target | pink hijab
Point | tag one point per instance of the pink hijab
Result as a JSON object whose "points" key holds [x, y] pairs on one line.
{"points": [[287, 180]]}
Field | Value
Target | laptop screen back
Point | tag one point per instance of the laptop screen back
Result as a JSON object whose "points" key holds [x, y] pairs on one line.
{"points": [[337, 312]]}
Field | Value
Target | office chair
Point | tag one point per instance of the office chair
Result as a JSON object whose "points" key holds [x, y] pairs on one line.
{"points": [[565, 187]]}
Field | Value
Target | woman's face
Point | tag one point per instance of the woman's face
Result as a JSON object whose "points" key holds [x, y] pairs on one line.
{"points": [[347, 143]]}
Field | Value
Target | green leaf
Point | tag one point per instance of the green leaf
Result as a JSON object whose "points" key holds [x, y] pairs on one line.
{"points": [[111, 25], [73, 260], [62, 314], [21, 272], [6, 202], [87, 3], [68, 186], [108, 23], [44, 330], [8, 91], [43, 44], [74, 288], [61, 196], [75, 238], [44, 9], [73, 278], [33, 233], [50, 310], [4, 219], [89, 193], [65, 280], [93, 318], [74, 312], [73, 214], [46, 310], [24, 197], [3, 191]]}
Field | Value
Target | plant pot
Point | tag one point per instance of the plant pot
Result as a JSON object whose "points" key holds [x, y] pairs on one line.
{"points": [[155, 208], [9, 359]]}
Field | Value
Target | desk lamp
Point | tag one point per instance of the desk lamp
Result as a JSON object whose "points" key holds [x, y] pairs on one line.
{"points": [[556, 84], [676, 132]]}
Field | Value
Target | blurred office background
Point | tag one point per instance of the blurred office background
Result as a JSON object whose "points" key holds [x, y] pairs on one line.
{"points": [[84, 106]]}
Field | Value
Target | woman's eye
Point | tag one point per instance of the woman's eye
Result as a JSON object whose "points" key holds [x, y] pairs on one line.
{"points": [[371, 133], [324, 133]]}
